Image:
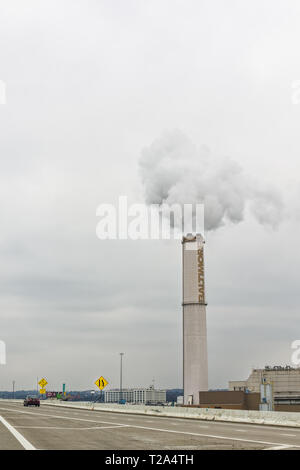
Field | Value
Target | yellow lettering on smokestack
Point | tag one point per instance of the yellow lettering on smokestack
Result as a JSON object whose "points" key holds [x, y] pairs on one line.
{"points": [[201, 291]]}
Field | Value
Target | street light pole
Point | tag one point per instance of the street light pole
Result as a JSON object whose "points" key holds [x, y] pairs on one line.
{"points": [[14, 389], [121, 374]]}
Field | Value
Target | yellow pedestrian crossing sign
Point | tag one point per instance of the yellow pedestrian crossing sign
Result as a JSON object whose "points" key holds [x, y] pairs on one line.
{"points": [[101, 383], [43, 382], [42, 391]]}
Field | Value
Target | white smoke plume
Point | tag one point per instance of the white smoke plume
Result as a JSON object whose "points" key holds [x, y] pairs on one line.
{"points": [[174, 170]]}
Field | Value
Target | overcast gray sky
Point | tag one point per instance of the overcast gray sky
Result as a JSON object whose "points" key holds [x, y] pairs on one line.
{"points": [[89, 84]]}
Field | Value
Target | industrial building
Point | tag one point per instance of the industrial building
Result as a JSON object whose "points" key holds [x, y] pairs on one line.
{"points": [[233, 400], [195, 366], [114, 395], [143, 396], [285, 382]]}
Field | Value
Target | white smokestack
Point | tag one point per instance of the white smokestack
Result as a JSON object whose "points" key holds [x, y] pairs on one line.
{"points": [[195, 365], [174, 171]]}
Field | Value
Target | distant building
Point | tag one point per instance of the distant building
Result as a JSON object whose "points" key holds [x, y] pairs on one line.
{"points": [[237, 385], [286, 380], [114, 396], [143, 396], [285, 383]]}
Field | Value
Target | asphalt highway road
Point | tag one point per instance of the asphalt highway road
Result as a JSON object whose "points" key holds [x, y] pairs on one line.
{"points": [[50, 428]]}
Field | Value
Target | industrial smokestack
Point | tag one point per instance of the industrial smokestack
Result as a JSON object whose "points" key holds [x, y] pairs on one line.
{"points": [[195, 367], [174, 171]]}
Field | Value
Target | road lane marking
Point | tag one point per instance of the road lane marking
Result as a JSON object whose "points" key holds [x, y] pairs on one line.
{"points": [[289, 435], [239, 430], [83, 411], [62, 417], [212, 436], [232, 438], [280, 447], [26, 444], [73, 429], [210, 423], [180, 447]]}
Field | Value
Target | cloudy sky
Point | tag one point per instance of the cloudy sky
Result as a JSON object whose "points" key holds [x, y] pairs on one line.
{"points": [[89, 85]]}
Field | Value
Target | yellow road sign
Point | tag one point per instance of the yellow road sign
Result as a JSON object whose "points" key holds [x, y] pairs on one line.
{"points": [[43, 382], [101, 383], [42, 391]]}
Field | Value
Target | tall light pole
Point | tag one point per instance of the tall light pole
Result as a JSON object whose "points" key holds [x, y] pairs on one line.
{"points": [[121, 374], [14, 389]]}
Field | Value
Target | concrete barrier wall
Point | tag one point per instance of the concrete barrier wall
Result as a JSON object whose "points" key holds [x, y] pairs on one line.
{"points": [[275, 418], [6, 400]]}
